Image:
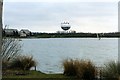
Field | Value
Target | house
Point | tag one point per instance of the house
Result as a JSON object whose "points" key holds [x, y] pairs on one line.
{"points": [[24, 33], [10, 32]]}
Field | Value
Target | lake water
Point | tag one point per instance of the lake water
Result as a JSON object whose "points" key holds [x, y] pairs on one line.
{"points": [[50, 52]]}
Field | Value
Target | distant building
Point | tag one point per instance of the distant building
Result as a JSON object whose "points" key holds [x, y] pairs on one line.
{"points": [[60, 32], [10, 32], [24, 33], [71, 31]]}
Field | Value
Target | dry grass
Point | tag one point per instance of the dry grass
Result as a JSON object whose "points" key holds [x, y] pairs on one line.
{"points": [[69, 67], [23, 63], [80, 68]]}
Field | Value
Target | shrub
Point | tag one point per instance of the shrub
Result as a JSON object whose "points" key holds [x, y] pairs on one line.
{"points": [[5, 65], [111, 70], [80, 68], [23, 63]]}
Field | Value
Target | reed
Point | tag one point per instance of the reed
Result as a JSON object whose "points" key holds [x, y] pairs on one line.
{"points": [[69, 67], [83, 69], [23, 63]]}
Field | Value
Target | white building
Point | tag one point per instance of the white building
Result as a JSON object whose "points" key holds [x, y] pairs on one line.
{"points": [[24, 33]]}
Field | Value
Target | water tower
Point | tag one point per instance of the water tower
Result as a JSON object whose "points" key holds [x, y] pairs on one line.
{"points": [[65, 26]]}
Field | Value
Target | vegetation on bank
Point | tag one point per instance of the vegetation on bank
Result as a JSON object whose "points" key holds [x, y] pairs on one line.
{"points": [[67, 35], [72, 70], [12, 60], [11, 48], [111, 71], [82, 69], [75, 35]]}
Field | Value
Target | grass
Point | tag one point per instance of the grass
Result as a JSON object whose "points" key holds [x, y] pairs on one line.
{"points": [[38, 74], [111, 70]]}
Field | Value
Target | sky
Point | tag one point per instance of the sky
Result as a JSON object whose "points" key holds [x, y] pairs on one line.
{"points": [[46, 16]]}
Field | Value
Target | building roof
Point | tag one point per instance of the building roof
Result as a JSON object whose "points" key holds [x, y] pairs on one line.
{"points": [[10, 30]]}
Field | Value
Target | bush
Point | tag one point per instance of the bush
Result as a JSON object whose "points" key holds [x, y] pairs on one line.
{"points": [[5, 65], [111, 70], [23, 63], [80, 68]]}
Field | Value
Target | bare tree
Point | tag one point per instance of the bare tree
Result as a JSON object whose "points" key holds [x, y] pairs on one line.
{"points": [[11, 48]]}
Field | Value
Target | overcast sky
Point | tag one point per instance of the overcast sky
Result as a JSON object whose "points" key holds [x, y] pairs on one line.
{"points": [[47, 16]]}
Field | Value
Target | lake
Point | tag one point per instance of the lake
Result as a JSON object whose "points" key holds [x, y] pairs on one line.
{"points": [[50, 52]]}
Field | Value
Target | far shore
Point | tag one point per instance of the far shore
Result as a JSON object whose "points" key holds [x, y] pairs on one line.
{"points": [[68, 35]]}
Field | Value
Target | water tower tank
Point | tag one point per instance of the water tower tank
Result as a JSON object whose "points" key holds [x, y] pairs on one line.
{"points": [[65, 26]]}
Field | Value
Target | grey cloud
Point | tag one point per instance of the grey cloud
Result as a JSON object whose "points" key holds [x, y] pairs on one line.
{"points": [[50, 14]]}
